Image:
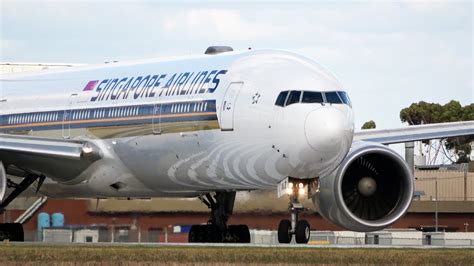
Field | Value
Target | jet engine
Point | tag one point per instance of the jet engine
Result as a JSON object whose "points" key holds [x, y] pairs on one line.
{"points": [[371, 189]]}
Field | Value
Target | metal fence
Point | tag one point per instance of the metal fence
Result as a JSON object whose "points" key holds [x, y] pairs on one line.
{"points": [[106, 234], [122, 235], [445, 185]]}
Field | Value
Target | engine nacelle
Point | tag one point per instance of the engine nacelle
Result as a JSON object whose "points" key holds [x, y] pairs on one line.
{"points": [[3, 182], [371, 189]]}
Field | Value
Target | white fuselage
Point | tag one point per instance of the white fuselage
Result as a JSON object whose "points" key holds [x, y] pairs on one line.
{"points": [[184, 126]]}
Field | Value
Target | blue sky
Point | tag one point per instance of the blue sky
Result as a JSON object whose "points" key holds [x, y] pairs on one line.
{"points": [[387, 54]]}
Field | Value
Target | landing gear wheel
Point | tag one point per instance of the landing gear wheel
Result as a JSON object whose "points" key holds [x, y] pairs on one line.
{"points": [[214, 235], [232, 234], [238, 234], [243, 234], [12, 232], [302, 232], [284, 232], [196, 234]]}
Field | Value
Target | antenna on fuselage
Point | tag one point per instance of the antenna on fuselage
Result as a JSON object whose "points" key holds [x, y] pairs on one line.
{"points": [[212, 50]]}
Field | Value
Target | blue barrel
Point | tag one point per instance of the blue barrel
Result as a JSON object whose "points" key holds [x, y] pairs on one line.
{"points": [[57, 219], [43, 220]]}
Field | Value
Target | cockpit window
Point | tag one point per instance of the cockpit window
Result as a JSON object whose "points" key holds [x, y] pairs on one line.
{"points": [[345, 97], [332, 97], [286, 98], [294, 97], [281, 98], [312, 97]]}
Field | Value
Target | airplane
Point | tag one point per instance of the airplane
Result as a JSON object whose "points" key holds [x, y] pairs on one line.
{"points": [[205, 126]]}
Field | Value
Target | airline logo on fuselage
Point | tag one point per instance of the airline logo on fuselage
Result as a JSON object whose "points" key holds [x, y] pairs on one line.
{"points": [[184, 83]]}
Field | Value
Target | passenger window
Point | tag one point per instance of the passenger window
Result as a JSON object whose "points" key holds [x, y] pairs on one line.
{"points": [[332, 97], [294, 97], [312, 97], [345, 98], [281, 98]]}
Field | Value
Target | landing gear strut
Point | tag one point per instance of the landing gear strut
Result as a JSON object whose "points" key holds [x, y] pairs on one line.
{"points": [[14, 231], [295, 226], [216, 230]]}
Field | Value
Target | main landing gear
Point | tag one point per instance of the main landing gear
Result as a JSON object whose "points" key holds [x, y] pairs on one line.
{"points": [[216, 230], [14, 231], [295, 226]]}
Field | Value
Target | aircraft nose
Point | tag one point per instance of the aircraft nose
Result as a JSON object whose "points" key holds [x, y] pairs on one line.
{"points": [[328, 130]]}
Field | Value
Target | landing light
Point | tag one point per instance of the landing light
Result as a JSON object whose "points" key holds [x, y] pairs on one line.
{"points": [[301, 190], [87, 149], [292, 189]]}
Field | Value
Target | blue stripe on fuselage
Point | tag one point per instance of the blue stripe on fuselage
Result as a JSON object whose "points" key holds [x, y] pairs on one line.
{"points": [[111, 116]]}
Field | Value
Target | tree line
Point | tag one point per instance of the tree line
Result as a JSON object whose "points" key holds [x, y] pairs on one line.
{"points": [[428, 113]]}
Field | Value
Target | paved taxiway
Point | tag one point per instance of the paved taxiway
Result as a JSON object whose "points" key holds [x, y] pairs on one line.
{"points": [[307, 246]]}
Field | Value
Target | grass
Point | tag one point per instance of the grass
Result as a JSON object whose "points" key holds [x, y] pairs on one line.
{"points": [[138, 255]]}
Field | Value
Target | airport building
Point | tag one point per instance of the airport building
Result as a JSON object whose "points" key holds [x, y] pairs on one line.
{"points": [[443, 205], [449, 207]]}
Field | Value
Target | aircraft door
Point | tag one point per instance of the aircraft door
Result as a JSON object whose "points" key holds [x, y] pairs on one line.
{"points": [[3, 101], [67, 116], [228, 106], [156, 123]]}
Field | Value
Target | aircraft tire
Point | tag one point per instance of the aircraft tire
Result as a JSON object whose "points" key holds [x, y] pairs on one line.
{"points": [[12, 232], [197, 234], [193, 234], [284, 232], [233, 234], [302, 232], [243, 233], [214, 235]]}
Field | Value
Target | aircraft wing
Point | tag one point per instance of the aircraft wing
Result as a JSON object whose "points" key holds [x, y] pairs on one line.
{"points": [[414, 133], [59, 159]]}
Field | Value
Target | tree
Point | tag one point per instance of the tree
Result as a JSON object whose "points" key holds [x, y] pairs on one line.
{"points": [[369, 125], [427, 113]]}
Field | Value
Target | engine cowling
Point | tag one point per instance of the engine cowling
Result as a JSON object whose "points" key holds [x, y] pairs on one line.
{"points": [[3, 182], [370, 190]]}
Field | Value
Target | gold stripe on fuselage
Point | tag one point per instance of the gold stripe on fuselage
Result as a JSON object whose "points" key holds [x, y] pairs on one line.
{"points": [[147, 129]]}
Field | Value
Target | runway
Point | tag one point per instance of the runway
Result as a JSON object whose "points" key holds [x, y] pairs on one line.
{"points": [[233, 245]]}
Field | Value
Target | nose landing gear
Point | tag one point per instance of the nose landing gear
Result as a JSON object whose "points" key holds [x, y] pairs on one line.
{"points": [[299, 228]]}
